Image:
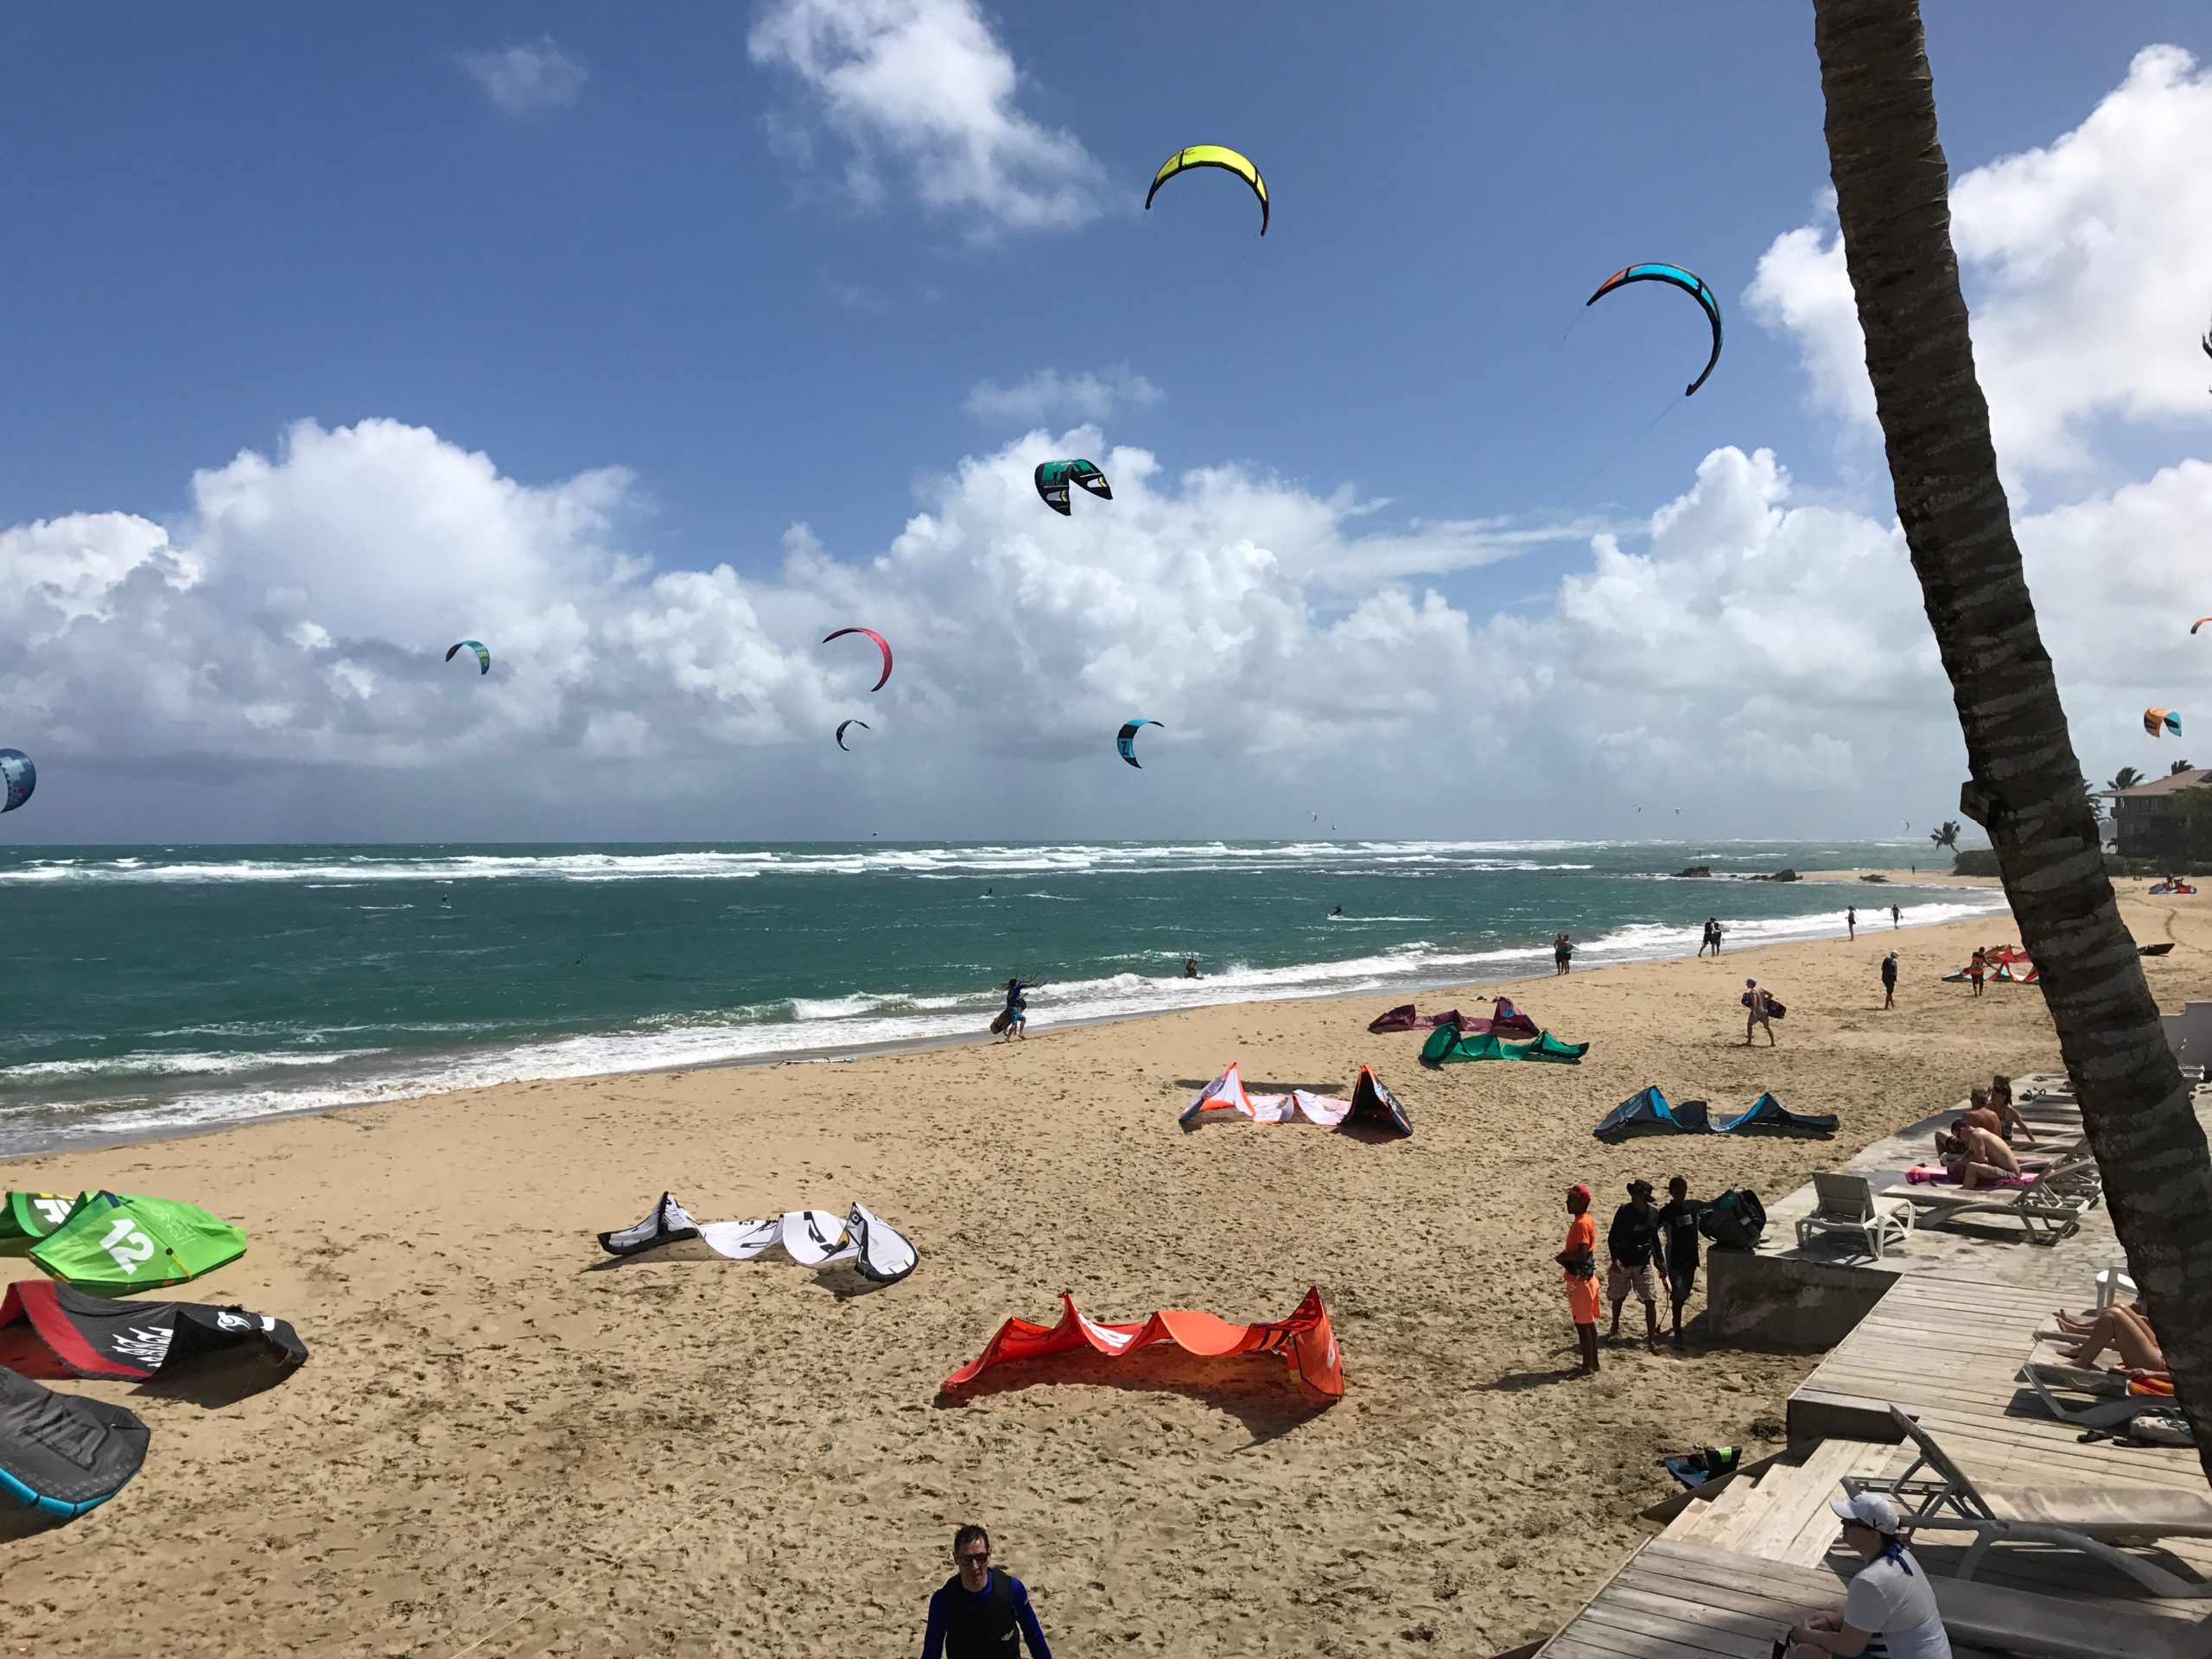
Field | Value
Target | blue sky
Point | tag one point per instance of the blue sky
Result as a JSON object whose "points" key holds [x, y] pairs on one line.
{"points": [[226, 221]]}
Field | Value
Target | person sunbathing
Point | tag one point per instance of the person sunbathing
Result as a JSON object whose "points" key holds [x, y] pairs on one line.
{"points": [[2078, 1325], [2000, 1101], [1977, 1158], [1979, 1114], [2128, 1334]]}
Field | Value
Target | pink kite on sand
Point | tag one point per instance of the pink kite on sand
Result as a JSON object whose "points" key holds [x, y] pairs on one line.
{"points": [[1506, 1020], [1306, 1341]]}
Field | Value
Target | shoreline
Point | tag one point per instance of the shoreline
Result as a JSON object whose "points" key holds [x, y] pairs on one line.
{"points": [[498, 1418], [841, 1053]]}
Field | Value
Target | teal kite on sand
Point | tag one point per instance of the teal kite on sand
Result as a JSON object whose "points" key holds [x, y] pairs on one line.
{"points": [[112, 1245], [1447, 1044]]}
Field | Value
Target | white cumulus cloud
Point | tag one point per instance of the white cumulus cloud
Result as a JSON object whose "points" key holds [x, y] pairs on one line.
{"points": [[924, 90], [2084, 263], [526, 79], [1048, 395]]}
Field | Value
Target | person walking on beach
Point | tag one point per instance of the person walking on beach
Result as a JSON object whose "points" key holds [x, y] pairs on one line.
{"points": [[1977, 968], [1850, 922], [1562, 954], [1579, 1263], [1711, 941], [1630, 1243], [1678, 1219], [1890, 1608], [1896, 919], [1017, 1009], [1759, 1012], [1889, 980], [978, 1611]]}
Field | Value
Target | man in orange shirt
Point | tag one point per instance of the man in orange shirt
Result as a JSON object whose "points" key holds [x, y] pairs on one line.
{"points": [[1580, 1260]]}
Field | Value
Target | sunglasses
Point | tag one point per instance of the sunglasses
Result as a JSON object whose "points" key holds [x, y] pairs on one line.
{"points": [[974, 1558]]}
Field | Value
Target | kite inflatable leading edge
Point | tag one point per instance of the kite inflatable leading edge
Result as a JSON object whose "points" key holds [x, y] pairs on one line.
{"points": [[881, 644], [1126, 742], [1053, 477], [2162, 721], [1690, 283], [1305, 1340], [483, 657], [1218, 156]]}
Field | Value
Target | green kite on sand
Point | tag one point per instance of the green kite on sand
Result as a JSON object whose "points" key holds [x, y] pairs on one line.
{"points": [[113, 1245], [26, 1217], [1447, 1044]]}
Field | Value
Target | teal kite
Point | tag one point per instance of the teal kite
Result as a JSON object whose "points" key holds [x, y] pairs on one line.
{"points": [[1674, 276], [483, 657], [1053, 477]]}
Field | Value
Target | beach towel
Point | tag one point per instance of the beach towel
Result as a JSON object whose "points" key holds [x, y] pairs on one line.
{"points": [[1936, 1174], [1305, 1340], [132, 1341]]}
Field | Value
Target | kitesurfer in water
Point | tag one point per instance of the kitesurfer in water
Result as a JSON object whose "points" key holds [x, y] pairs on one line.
{"points": [[974, 1613], [1190, 967], [1338, 911]]}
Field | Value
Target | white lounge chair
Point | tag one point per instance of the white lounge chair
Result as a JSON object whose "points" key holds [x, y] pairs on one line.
{"points": [[2050, 1208], [2093, 1520], [1847, 1204], [2084, 1395]]}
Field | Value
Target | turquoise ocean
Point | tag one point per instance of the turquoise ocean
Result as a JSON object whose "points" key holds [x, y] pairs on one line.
{"points": [[149, 990]]}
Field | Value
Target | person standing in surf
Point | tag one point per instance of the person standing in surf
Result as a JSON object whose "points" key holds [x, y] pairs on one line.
{"points": [[1016, 1014]]}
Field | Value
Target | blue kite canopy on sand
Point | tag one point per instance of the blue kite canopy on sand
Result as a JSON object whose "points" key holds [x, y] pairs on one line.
{"points": [[1646, 1112], [1767, 1116], [1449, 1044]]}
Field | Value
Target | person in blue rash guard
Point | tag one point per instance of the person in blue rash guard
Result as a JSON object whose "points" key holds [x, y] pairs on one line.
{"points": [[974, 1613]]}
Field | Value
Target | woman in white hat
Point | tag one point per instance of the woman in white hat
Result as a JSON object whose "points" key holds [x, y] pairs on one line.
{"points": [[1889, 1612]]}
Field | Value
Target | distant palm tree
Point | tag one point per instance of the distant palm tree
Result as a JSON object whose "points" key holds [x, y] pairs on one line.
{"points": [[1947, 836], [2179, 767], [2125, 778], [1893, 186]]}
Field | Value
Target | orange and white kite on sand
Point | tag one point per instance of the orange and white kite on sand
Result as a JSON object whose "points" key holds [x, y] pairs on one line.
{"points": [[1305, 1340]]}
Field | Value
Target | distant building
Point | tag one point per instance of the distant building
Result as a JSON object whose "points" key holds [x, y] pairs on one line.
{"points": [[2168, 817]]}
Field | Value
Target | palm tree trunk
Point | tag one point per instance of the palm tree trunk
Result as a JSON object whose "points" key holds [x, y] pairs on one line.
{"points": [[1892, 199]]}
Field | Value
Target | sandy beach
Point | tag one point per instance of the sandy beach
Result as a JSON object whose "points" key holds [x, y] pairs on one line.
{"points": [[505, 1445]]}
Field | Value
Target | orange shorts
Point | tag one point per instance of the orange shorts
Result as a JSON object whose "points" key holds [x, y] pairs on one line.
{"points": [[1583, 1299]]}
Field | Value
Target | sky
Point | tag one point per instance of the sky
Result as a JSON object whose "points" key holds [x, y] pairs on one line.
{"points": [[650, 349]]}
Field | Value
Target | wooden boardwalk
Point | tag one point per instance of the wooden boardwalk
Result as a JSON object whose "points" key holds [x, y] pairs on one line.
{"points": [[1944, 1343]]}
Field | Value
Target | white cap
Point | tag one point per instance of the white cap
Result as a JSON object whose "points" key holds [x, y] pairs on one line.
{"points": [[1869, 1509]]}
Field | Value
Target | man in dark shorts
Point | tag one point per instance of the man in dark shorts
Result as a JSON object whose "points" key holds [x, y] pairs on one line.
{"points": [[975, 1613], [1678, 1237], [1889, 980], [1632, 1242]]}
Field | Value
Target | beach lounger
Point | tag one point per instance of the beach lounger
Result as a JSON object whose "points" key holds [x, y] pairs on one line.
{"points": [[2100, 1399], [2050, 1210], [2094, 1521], [1848, 1206]]}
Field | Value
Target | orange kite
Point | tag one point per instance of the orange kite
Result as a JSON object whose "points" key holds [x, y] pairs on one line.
{"points": [[1305, 1340]]}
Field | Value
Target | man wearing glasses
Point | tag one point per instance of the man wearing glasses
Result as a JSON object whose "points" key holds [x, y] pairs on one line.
{"points": [[976, 1613]]}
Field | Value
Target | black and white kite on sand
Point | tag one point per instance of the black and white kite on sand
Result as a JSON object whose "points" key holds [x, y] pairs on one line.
{"points": [[132, 1341], [813, 1238], [62, 1454]]}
